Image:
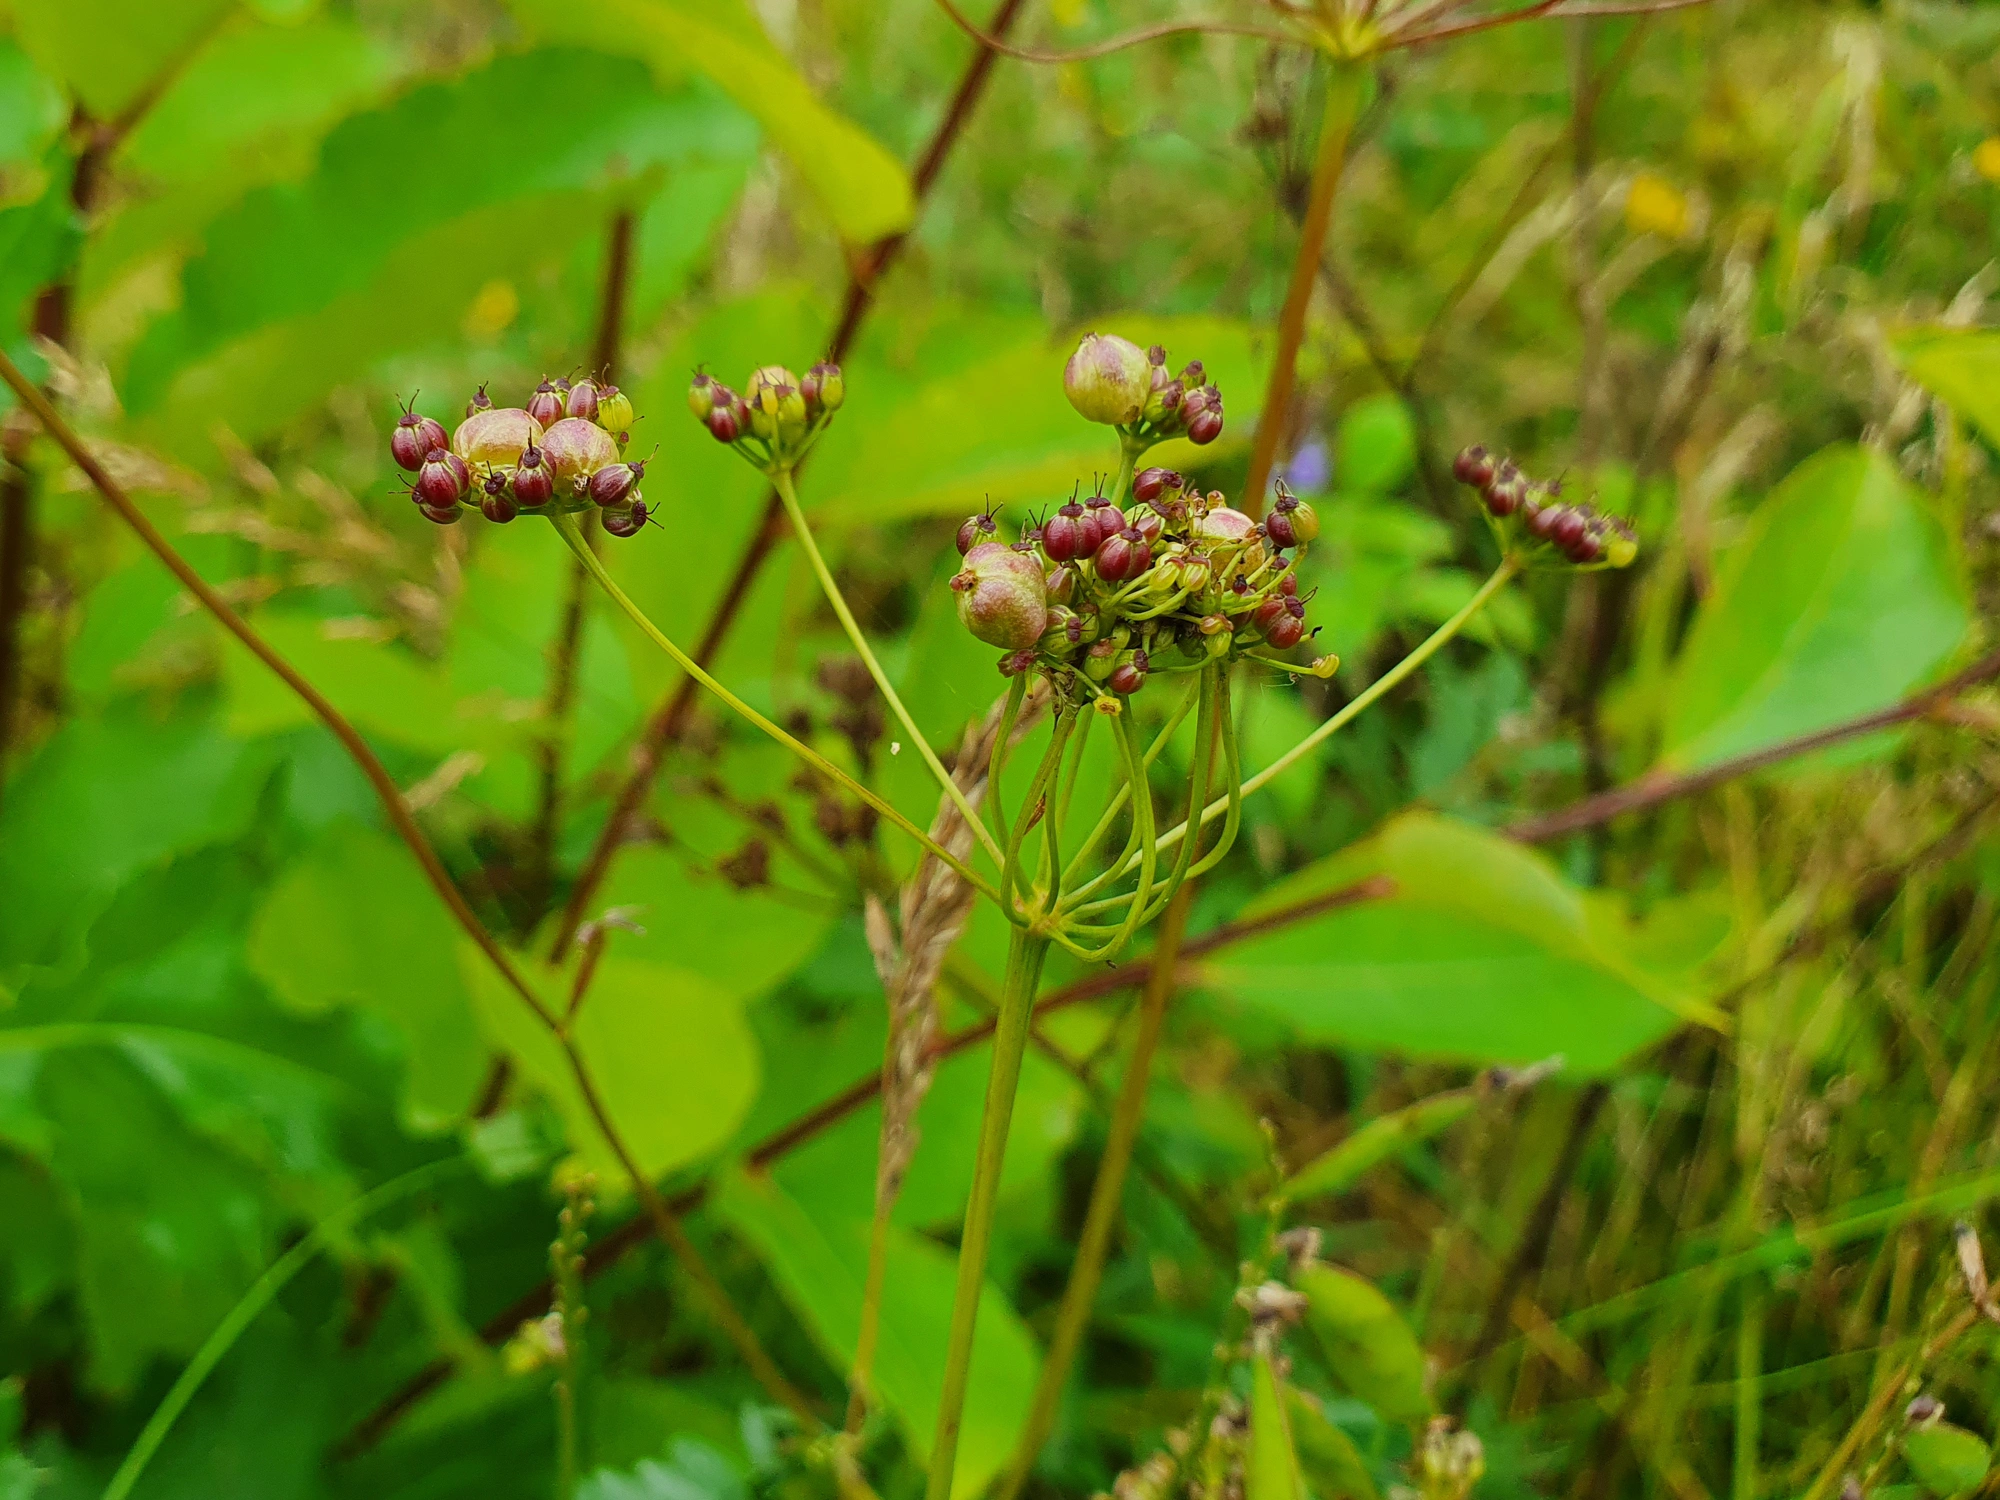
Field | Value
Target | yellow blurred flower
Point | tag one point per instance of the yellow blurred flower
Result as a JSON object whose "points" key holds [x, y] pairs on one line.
{"points": [[1986, 158], [495, 306], [1653, 206]]}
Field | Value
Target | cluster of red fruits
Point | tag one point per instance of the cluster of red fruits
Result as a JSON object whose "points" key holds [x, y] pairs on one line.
{"points": [[1581, 533], [1110, 594], [562, 451]]}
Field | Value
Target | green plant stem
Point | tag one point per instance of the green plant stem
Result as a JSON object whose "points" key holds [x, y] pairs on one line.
{"points": [[1345, 82], [1106, 1195], [1026, 951], [566, 528], [781, 480], [249, 1305], [1360, 703]]}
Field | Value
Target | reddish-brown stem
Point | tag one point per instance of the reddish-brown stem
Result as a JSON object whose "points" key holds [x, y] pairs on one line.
{"points": [[668, 720], [990, 38], [1651, 791]]}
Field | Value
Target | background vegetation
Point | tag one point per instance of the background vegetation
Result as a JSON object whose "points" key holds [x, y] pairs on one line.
{"points": [[1725, 268]]}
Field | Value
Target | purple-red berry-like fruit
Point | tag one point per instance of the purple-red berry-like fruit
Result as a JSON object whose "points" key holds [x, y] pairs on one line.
{"points": [[584, 400], [1129, 676], [974, 530], [441, 480], [1014, 663], [1064, 534], [1568, 527], [625, 520], [1152, 483], [1002, 596], [1202, 411], [1506, 491], [1270, 609], [1543, 519], [1473, 466], [723, 424], [443, 515], [1122, 556], [1106, 517], [480, 401], [413, 439], [546, 405], [1278, 527], [500, 508], [1286, 631], [612, 483], [533, 483]]}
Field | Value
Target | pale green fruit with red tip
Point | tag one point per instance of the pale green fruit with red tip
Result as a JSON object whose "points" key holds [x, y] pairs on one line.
{"points": [[574, 450], [1002, 596], [1108, 379], [494, 439]]}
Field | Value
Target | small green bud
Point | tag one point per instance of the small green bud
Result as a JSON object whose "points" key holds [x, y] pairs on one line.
{"points": [[701, 398], [614, 409], [1108, 379]]}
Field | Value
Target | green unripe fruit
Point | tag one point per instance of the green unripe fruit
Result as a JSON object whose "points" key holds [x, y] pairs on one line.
{"points": [[614, 409], [1108, 379], [494, 439], [1002, 596]]}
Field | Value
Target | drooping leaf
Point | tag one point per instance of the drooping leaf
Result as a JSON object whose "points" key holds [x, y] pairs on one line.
{"points": [[1839, 599], [1960, 366], [1481, 953], [669, 1055], [1273, 1469], [821, 1264], [1368, 1346], [1328, 1460], [355, 923], [1337, 1169], [859, 185]]}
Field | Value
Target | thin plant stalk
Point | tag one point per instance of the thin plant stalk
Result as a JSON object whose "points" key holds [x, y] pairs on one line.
{"points": [[1359, 705], [781, 480], [1344, 87], [566, 528], [1026, 952], [1106, 1195], [260, 1296]]}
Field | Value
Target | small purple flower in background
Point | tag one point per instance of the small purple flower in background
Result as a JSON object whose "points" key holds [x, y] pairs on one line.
{"points": [[1310, 469]]}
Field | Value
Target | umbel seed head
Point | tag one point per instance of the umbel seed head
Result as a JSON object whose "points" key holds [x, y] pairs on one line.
{"points": [[1108, 379]]}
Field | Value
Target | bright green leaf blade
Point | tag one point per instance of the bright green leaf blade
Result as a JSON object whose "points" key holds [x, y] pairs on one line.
{"points": [[1482, 954], [108, 53], [1337, 1170], [1839, 599], [1959, 366], [1366, 1342], [1328, 1460], [669, 1054], [862, 188], [381, 688], [1273, 1467], [821, 1264], [1375, 447], [1947, 1460], [355, 923]]}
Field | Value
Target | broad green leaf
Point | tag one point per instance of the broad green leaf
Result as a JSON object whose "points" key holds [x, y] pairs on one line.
{"points": [[922, 454], [670, 1056], [1960, 366], [109, 52], [381, 688], [743, 941], [108, 796], [1839, 599], [1375, 447], [1368, 1346], [1947, 1460], [860, 186], [821, 1263], [31, 110], [1481, 954], [355, 923], [692, 1471], [1273, 1468], [1328, 1460]]}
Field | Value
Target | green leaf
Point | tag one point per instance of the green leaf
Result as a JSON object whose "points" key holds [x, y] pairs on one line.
{"points": [[861, 187], [31, 109], [1481, 954], [669, 1054], [109, 796], [693, 1471], [1273, 1467], [382, 689], [1337, 1170], [1368, 1346], [355, 923], [1375, 447], [1945, 1459], [109, 52], [1959, 366], [1328, 1460], [1839, 599], [821, 1263]]}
